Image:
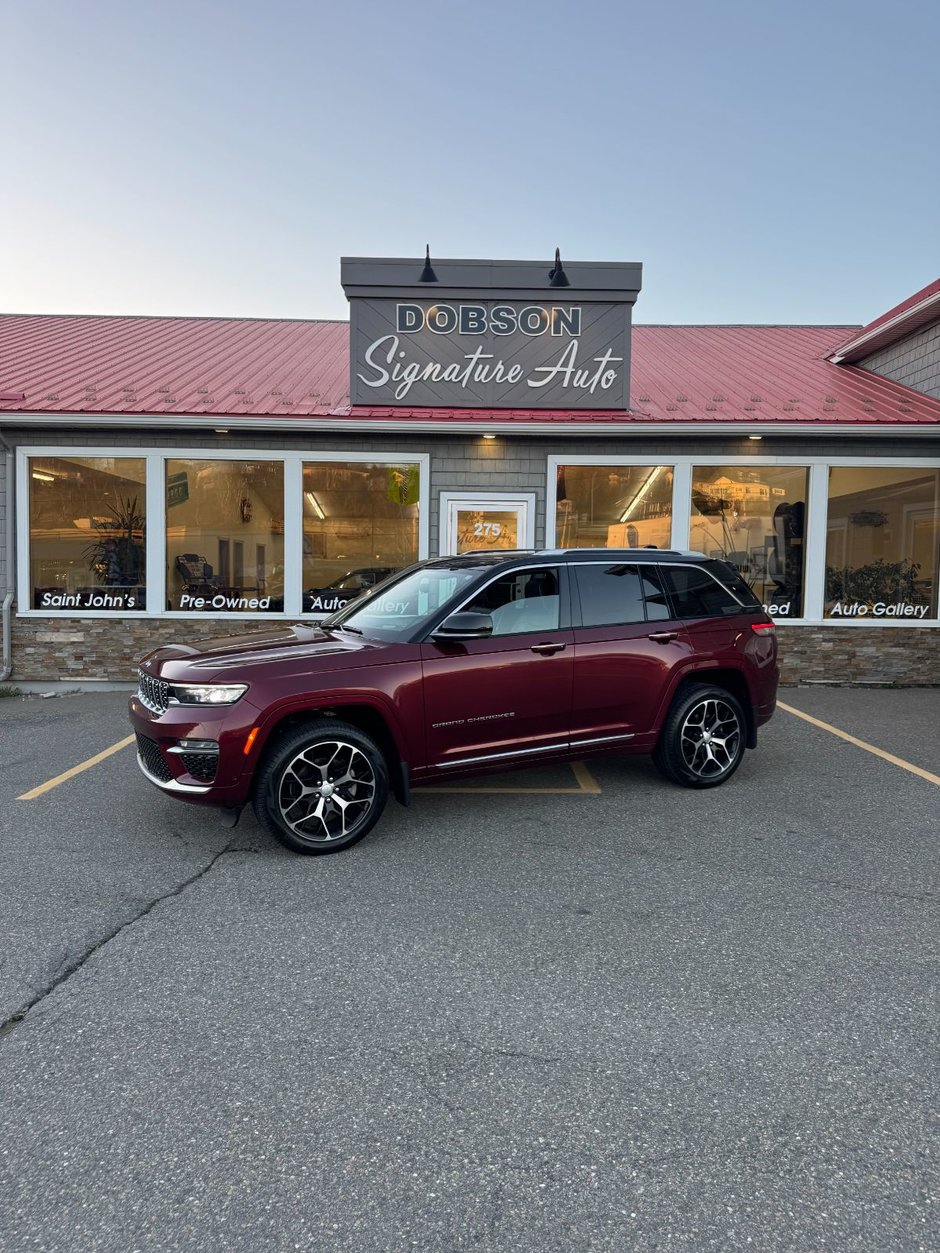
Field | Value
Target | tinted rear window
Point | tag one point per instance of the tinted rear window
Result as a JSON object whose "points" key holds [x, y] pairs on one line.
{"points": [[734, 583], [696, 594], [619, 594]]}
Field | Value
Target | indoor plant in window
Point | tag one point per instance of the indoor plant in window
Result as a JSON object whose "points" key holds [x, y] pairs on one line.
{"points": [[877, 582], [117, 556]]}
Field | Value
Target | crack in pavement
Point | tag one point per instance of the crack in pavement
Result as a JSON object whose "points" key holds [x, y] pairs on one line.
{"points": [[66, 972]]}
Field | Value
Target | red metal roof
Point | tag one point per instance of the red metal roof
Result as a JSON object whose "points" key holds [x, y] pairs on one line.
{"points": [[910, 315], [226, 367]]}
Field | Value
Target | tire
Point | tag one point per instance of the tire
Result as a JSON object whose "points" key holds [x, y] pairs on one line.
{"points": [[347, 779], [703, 738]]}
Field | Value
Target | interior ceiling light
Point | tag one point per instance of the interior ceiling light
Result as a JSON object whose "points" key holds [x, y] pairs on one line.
{"points": [[314, 505]]}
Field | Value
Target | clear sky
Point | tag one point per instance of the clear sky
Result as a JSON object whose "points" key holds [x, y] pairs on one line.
{"points": [[766, 161]]}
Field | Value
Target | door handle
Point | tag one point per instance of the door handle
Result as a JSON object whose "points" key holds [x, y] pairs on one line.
{"points": [[663, 637], [546, 649]]}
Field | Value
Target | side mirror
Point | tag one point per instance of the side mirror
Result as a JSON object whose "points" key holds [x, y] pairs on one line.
{"points": [[464, 626]]}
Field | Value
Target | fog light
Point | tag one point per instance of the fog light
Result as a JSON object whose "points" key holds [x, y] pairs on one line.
{"points": [[200, 746]]}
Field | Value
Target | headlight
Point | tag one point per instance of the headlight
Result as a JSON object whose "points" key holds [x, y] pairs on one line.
{"points": [[207, 693]]}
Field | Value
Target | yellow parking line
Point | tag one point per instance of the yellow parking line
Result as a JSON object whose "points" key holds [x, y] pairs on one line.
{"points": [[70, 774], [869, 748], [587, 784]]}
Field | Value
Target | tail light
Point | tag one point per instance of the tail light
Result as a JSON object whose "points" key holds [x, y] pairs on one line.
{"points": [[762, 628]]}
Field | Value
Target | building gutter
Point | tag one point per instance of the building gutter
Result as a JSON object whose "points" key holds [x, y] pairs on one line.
{"points": [[236, 423], [6, 658]]}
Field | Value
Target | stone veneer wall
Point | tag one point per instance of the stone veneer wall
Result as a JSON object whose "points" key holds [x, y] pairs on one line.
{"points": [[51, 650]]}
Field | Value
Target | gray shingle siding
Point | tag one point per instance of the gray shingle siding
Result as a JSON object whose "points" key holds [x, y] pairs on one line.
{"points": [[914, 361]]}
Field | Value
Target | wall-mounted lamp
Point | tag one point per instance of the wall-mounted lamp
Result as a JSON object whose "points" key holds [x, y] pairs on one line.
{"points": [[221, 430], [488, 435], [427, 274], [755, 437], [556, 275]]}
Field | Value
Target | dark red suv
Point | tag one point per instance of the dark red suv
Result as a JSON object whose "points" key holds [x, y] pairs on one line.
{"points": [[456, 666]]}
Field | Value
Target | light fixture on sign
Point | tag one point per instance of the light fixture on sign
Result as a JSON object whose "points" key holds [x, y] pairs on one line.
{"points": [[556, 275], [427, 274]]}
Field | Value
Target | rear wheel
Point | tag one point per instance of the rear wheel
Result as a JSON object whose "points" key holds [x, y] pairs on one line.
{"points": [[323, 788], [703, 738]]}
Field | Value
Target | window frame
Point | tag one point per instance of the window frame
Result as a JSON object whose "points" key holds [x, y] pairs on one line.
{"points": [[817, 514], [155, 480]]}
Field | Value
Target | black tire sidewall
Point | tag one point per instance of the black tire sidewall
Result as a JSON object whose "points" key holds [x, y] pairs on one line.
{"points": [[267, 782]]}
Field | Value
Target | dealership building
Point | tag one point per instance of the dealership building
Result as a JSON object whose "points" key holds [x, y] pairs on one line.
{"points": [[181, 478]]}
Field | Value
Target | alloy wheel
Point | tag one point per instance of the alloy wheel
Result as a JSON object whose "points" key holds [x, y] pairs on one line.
{"points": [[326, 791], [710, 738]]}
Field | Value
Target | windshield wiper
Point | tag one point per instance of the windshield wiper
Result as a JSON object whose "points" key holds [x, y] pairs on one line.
{"points": [[343, 627]]}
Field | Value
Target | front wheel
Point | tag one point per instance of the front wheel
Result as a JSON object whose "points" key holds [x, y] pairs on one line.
{"points": [[703, 738], [322, 789]]}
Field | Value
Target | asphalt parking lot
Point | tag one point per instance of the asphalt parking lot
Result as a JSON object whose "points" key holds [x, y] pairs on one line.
{"points": [[589, 1011]]}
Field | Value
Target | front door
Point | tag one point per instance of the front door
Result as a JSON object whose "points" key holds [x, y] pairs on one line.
{"points": [[486, 522], [508, 695]]}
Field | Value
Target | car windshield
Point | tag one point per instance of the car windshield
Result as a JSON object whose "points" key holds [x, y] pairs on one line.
{"points": [[395, 610]]}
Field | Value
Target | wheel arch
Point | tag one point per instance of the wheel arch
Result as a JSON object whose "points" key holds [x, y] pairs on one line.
{"points": [[732, 681], [363, 716]]}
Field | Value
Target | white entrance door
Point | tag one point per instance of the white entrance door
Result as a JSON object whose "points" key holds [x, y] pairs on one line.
{"points": [[487, 521]]}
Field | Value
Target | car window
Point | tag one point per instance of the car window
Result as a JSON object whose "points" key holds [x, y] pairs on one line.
{"points": [[396, 610], [610, 594], [695, 594], [523, 600], [654, 593]]}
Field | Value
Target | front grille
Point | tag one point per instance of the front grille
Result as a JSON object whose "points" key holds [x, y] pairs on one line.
{"points": [[153, 759], [153, 693], [201, 766]]}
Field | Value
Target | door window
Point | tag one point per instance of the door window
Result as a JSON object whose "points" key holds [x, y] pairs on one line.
{"points": [[523, 600], [619, 595]]}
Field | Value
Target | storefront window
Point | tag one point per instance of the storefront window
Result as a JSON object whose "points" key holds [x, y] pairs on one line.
{"points": [[225, 536], [87, 521], [883, 543], [360, 524], [754, 518], [613, 506]]}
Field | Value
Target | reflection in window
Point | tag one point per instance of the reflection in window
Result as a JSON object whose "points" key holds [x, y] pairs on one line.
{"points": [[225, 536], [754, 518], [87, 520], [613, 506], [523, 601], [619, 595], [360, 524], [883, 543]]}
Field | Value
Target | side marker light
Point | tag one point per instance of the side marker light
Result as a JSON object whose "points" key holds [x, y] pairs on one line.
{"points": [[252, 735]]}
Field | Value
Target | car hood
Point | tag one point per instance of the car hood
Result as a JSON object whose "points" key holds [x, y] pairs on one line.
{"points": [[251, 652]]}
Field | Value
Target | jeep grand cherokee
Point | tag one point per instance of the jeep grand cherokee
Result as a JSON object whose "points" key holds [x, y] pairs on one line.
{"points": [[460, 665]]}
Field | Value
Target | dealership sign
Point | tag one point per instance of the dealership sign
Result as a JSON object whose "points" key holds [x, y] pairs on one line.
{"points": [[490, 335]]}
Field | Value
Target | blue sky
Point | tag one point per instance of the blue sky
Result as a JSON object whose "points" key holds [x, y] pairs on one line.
{"points": [[767, 162]]}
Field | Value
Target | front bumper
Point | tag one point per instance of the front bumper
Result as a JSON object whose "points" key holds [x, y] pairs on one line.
{"points": [[195, 774]]}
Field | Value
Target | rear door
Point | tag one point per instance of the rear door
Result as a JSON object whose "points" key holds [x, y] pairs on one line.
{"points": [[627, 645], [716, 608], [510, 694]]}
